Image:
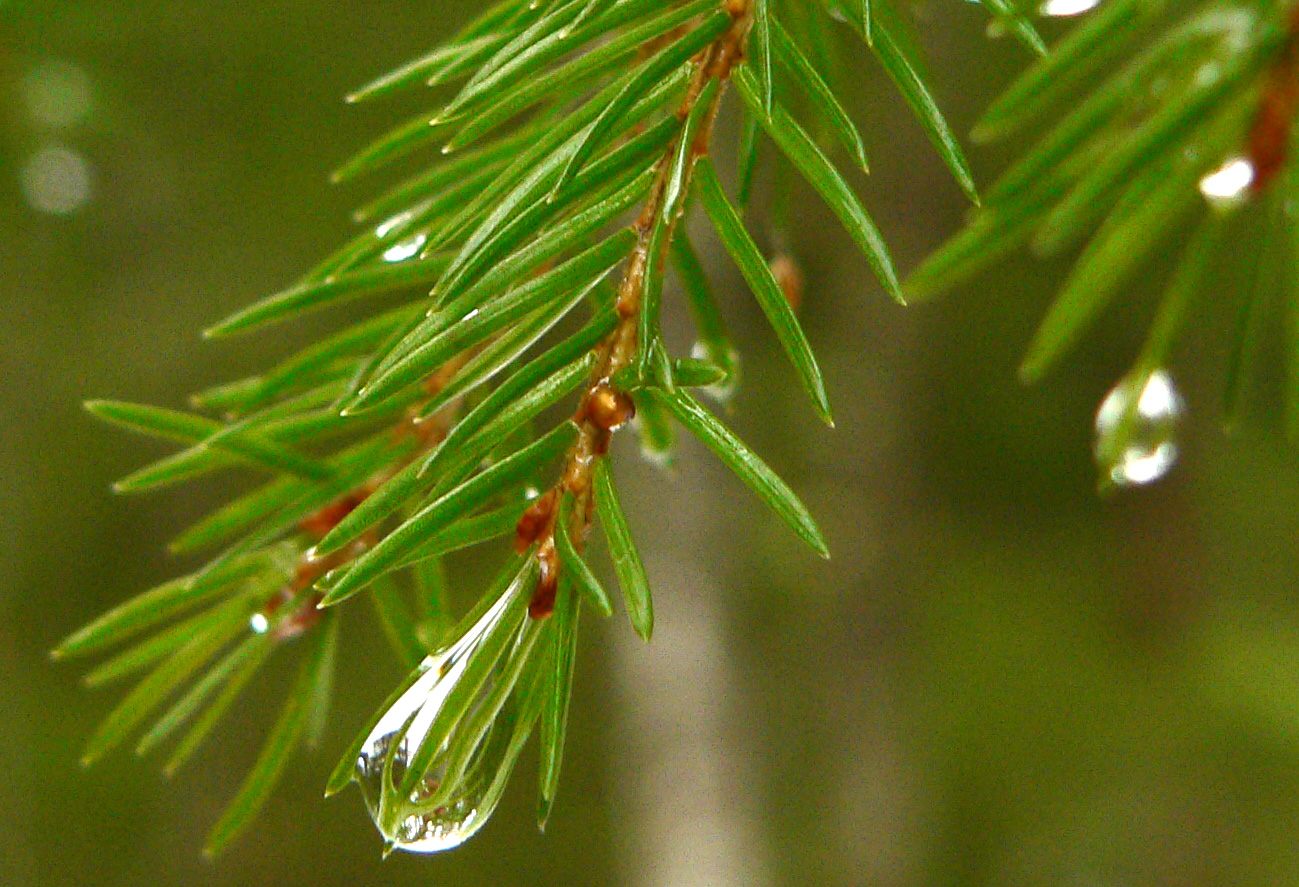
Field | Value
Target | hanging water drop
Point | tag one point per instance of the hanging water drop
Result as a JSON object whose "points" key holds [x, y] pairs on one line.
{"points": [[1136, 442], [416, 823], [1228, 186]]}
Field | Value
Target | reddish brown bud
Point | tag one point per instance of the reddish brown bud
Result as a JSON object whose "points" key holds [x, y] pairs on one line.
{"points": [[534, 521], [577, 472], [627, 306], [543, 597], [608, 408], [1269, 135], [790, 278]]}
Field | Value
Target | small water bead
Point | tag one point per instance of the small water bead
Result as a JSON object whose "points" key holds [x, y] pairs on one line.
{"points": [[1228, 186], [1144, 451], [284, 624], [410, 823], [1066, 8], [998, 28], [405, 249]]}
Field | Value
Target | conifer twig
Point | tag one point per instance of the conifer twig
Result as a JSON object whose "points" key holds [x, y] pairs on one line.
{"points": [[564, 117], [604, 408]]}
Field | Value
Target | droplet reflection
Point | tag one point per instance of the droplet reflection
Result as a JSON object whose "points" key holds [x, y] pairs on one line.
{"points": [[1228, 185], [400, 252], [1065, 8], [1136, 443]]}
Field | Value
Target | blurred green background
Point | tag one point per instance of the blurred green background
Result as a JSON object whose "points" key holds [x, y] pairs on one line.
{"points": [[999, 679]]}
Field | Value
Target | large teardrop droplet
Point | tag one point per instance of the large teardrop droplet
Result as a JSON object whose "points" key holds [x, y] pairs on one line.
{"points": [[418, 823], [1136, 441]]}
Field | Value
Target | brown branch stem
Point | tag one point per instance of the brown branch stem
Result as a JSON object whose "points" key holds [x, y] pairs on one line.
{"points": [[603, 408]]}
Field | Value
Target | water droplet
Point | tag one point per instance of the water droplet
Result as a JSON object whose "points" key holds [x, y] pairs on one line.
{"points": [[1136, 443], [400, 252], [1227, 187], [1065, 8], [410, 823]]}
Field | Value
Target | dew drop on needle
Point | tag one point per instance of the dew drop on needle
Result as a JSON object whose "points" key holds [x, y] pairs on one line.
{"points": [[416, 823]]}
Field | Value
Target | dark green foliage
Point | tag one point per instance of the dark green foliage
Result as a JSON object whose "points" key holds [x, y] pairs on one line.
{"points": [[1178, 117]]}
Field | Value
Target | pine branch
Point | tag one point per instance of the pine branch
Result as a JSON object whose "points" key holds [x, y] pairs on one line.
{"points": [[635, 340], [1130, 168], [428, 426]]}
